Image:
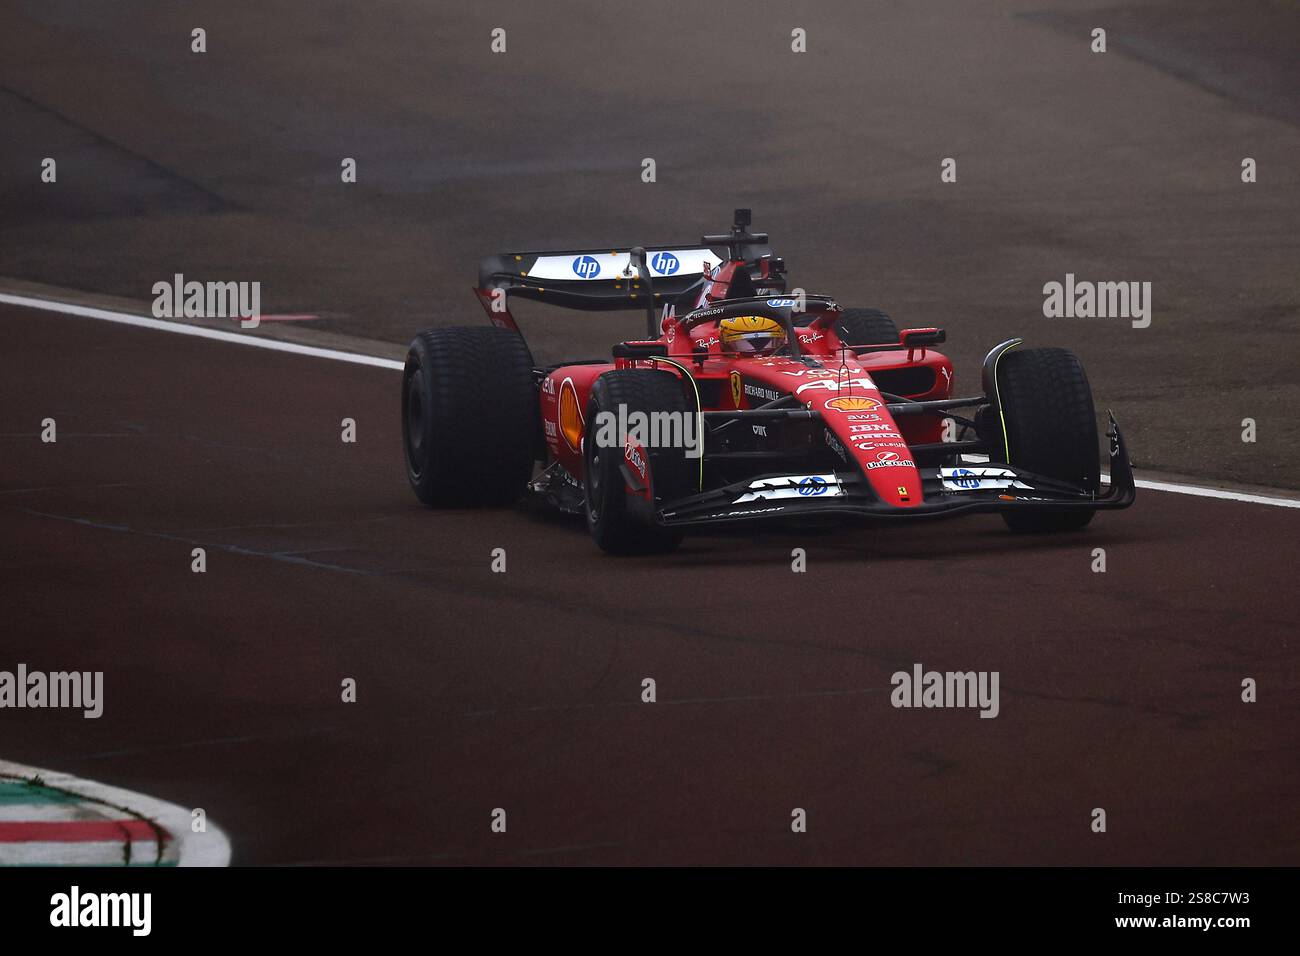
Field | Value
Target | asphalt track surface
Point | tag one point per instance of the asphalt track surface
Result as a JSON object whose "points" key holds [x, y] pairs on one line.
{"points": [[522, 690]]}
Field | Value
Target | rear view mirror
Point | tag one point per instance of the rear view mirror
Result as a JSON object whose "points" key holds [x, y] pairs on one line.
{"points": [[918, 338]]}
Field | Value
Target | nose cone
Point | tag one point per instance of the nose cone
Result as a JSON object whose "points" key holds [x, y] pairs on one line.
{"points": [[860, 430]]}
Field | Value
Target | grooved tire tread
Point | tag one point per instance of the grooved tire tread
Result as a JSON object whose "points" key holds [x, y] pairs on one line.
{"points": [[481, 421], [866, 327], [1051, 428], [616, 529]]}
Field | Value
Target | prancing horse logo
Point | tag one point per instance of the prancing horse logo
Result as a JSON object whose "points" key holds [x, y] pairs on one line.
{"points": [[737, 389]]}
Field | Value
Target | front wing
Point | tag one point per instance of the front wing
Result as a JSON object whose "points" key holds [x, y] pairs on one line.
{"points": [[947, 491]]}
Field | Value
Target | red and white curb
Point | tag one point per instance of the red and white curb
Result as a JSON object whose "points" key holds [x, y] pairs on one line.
{"points": [[55, 819]]}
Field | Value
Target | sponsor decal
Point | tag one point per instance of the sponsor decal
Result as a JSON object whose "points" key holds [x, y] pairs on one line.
{"points": [[586, 267], [875, 445], [852, 403], [835, 445], [571, 423], [865, 418], [760, 430], [612, 263], [792, 486], [810, 336], [750, 511], [809, 372], [890, 459], [762, 391], [836, 385], [871, 428], [548, 386], [813, 486], [737, 388], [665, 263], [985, 478], [635, 457], [781, 303]]}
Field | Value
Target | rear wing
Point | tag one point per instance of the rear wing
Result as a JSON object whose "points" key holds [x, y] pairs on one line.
{"points": [[599, 280]]}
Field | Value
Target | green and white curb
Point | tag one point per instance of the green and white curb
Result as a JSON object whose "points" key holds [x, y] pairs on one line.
{"points": [[56, 819]]}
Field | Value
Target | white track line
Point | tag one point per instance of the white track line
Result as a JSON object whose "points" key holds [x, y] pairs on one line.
{"points": [[162, 325], [210, 848], [1201, 492], [1198, 491]]}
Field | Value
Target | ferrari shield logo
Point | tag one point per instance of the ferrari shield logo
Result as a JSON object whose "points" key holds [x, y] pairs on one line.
{"points": [[737, 389]]}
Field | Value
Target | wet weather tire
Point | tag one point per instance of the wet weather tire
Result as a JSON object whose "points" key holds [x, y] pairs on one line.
{"points": [[1050, 429], [866, 327], [470, 422], [619, 522]]}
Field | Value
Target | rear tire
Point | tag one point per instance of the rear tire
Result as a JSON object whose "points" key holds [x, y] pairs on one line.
{"points": [[619, 522], [470, 420], [1051, 429], [866, 327]]}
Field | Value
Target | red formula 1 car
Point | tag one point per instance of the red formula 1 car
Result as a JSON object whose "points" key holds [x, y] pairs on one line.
{"points": [[746, 402]]}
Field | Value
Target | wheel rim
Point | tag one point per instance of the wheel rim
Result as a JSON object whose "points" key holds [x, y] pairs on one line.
{"points": [[415, 416], [593, 486]]}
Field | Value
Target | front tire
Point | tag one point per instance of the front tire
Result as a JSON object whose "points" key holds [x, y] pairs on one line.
{"points": [[1050, 429], [470, 421], [619, 521]]}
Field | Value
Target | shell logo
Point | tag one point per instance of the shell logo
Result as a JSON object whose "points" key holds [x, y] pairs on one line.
{"points": [[852, 403], [570, 415]]}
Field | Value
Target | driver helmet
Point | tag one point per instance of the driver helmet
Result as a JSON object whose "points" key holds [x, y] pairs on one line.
{"points": [[750, 335]]}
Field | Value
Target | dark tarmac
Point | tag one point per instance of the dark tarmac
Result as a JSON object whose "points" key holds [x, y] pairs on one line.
{"points": [[522, 690]]}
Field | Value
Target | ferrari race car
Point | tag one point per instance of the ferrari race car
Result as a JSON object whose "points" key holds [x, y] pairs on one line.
{"points": [[745, 402]]}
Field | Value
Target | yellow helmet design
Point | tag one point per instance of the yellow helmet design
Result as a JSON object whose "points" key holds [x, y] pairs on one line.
{"points": [[751, 335]]}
